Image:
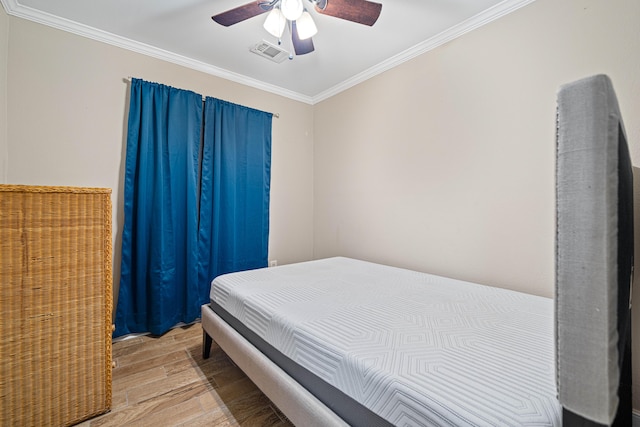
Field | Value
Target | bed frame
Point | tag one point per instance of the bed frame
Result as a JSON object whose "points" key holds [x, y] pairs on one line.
{"points": [[594, 265], [298, 404]]}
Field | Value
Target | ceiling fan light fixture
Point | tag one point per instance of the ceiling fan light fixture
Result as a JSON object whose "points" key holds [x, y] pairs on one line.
{"points": [[275, 22], [306, 27], [292, 9]]}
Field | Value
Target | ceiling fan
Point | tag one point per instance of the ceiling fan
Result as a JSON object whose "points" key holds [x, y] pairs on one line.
{"points": [[292, 14]]}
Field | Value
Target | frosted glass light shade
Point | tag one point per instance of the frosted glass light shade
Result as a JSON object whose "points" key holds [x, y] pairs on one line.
{"points": [[292, 9], [275, 22], [306, 27]]}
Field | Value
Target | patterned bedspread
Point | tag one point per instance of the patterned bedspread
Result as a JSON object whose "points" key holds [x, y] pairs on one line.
{"points": [[416, 349]]}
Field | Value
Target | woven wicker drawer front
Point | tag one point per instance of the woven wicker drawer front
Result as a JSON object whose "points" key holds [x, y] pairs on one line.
{"points": [[55, 304]]}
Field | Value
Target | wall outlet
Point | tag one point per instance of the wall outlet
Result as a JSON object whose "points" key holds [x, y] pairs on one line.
{"points": [[273, 263]]}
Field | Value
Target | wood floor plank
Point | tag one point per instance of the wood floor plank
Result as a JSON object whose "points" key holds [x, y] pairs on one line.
{"points": [[228, 376], [187, 333], [236, 390], [132, 414], [251, 407], [163, 381], [174, 415], [211, 402], [119, 400], [163, 385], [139, 379], [153, 362], [263, 416], [220, 417], [149, 350]]}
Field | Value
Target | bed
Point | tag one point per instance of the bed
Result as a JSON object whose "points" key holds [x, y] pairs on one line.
{"points": [[340, 341]]}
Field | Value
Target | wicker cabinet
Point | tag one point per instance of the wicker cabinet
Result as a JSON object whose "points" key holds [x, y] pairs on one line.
{"points": [[55, 304]]}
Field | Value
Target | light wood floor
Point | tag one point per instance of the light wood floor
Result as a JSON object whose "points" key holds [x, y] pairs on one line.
{"points": [[165, 382]]}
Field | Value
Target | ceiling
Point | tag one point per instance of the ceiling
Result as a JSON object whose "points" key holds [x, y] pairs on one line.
{"points": [[345, 53]]}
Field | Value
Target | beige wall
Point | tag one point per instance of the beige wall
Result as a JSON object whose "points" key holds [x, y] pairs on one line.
{"points": [[4, 52], [67, 119], [446, 163]]}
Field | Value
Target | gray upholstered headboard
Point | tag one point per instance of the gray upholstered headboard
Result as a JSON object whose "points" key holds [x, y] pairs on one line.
{"points": [[594, 254]]}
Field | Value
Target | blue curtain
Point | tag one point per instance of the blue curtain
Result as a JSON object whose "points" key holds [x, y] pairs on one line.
{"points": [[158, 285], [194, 207], [234, 198]]}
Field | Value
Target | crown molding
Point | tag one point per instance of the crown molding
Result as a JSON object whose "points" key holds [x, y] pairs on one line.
{"points": [[12, 7], [483, 18]]}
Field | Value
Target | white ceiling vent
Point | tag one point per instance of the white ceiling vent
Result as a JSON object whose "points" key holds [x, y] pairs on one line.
{"points": [[270, 51]]}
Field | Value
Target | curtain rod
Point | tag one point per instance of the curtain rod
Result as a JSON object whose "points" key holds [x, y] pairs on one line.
{"points": [[276, 115]]}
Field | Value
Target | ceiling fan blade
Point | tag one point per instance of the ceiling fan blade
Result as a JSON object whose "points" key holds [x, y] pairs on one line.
{"points": [[240, 13], [360, 11], [301, 47]]}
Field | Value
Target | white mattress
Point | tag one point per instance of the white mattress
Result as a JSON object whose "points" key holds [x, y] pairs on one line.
{"points": [[414, 348]]}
